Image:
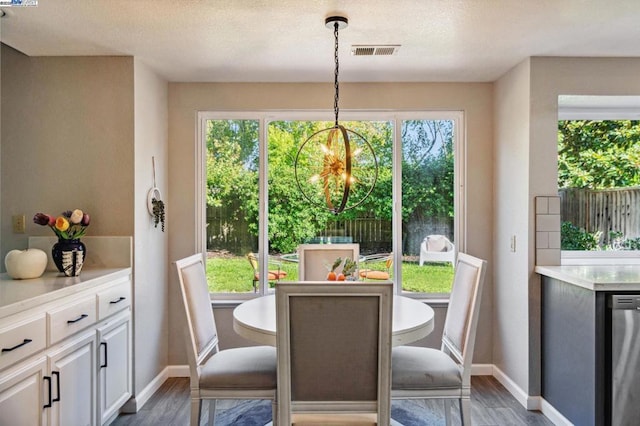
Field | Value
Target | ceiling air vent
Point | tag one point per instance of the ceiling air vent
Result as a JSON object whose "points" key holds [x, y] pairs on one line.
{"points": [[374, 50]]}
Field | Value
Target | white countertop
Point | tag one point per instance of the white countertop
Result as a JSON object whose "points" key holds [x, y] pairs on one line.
{"points": [[624, 277], [17, 295]]}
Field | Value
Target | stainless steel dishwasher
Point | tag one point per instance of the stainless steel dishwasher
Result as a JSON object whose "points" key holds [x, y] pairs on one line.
{"points": [[625, 359]]}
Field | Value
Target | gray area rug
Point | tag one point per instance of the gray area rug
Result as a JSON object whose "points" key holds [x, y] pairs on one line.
{"points": [[258, 413]]}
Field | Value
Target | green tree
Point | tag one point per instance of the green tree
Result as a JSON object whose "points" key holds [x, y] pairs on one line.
{"points": [[598, 154], [291, 218], [232, 175], [232, 166], [427, 168]]}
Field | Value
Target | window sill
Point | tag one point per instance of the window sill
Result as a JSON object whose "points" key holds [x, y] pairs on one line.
{"points": [[595, 257]]}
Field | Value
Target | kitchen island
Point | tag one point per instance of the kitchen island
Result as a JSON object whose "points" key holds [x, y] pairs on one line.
{"points": [[576, 337]]}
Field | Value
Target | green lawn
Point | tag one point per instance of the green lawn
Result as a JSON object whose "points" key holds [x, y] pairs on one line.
{"points": [[234, 275]]}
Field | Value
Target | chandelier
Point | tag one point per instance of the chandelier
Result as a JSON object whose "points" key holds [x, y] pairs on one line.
{"points": [[336, 167]]}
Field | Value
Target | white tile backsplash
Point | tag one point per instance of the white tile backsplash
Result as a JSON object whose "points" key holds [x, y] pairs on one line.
{"points": [[548, 222], [554, 240], [548, 257], [547, 230], [542, 240], [542, 205]]}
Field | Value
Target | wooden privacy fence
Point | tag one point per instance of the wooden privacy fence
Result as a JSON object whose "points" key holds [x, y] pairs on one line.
{"points": [[227, 232], [230, 233], [603, 210]]}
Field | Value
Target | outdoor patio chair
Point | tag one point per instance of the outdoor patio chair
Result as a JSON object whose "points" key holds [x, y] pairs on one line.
{"points": [[437, 248], [423, 373], [273, 275], [239, 373], [373, 274]]}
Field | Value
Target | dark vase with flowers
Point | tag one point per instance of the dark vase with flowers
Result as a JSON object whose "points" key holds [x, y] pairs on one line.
{"points": [[69, 252], [68, 255]]}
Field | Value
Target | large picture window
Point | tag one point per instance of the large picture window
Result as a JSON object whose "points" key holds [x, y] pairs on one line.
{"points": [[254, 217]]}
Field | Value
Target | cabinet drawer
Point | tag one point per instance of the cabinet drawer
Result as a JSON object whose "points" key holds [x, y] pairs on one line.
{"points": [[22, 339], [114, 299], [71, 318]]}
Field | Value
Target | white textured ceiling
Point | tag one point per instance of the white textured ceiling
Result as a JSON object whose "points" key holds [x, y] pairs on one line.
{"points": [[286, 40]]}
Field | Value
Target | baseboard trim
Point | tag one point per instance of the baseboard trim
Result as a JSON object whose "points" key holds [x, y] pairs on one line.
{"points": [[520, 395], [178, 370], [135, 403], [482, 370], [552, 414], [530, 402]]}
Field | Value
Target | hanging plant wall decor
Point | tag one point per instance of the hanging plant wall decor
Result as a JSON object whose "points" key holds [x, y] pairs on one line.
{"points": [[155, 205], [158, 212]]}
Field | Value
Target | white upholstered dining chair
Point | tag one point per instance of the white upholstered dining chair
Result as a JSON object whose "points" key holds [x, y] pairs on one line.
{"points": [[422, 373], [334, 348], [240, 373], [315, 260]]}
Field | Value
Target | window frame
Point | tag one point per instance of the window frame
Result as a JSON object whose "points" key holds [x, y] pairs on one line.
{"points": [[606, 108], [394, 116]]}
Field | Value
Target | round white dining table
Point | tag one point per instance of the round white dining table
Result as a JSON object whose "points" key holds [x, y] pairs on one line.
{"points": [[256, 320]]}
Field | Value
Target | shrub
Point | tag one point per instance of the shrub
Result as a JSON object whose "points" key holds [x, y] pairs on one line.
{"points": [[575, 238]]}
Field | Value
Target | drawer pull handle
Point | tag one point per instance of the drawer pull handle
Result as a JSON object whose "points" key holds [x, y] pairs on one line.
{"points": [[120, 299], [48, 404], [57, 374], [24, 342], [81, 317], [105, 355]]}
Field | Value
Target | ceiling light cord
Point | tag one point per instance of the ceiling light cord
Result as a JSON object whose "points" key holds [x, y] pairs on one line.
{"points": [[336, 85]]}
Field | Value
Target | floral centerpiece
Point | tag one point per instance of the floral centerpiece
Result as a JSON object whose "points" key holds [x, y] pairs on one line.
{"points": [[70, 225], [69, 252]]}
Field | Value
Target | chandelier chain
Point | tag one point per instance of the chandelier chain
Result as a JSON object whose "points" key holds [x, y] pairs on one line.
{"points": [[335, 83]]}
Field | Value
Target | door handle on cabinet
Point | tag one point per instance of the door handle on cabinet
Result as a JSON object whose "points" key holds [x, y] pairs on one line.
{"points": [[57, 374], [118, 300], [105, 355], [81, 317], [48, 379], [24, 342]]}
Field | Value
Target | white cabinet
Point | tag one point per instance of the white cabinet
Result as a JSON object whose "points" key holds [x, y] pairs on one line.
{"points": [[67, 360], [24, 393], [73, 378], [114, 369]]}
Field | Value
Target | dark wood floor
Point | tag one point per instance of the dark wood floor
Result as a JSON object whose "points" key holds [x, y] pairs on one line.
{"points": [[491, 404]]}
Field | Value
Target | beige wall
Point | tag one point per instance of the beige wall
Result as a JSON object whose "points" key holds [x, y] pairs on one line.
{"points": [[186, 99], [67, 142], [79, 132], [150, 244], [511, 206], [530, 137]]}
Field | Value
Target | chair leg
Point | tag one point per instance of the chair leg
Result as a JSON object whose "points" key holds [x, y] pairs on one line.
{"points": [[447, 412], [212, 412], [196, 409], [465, 411]]}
